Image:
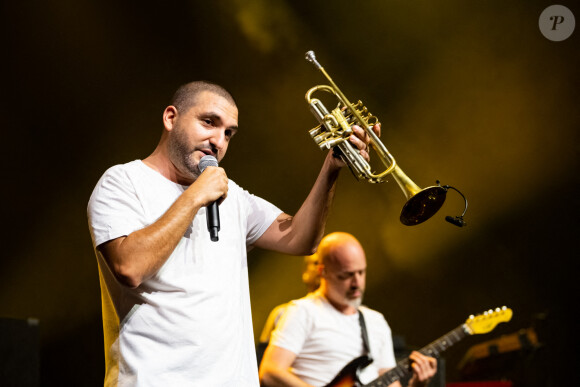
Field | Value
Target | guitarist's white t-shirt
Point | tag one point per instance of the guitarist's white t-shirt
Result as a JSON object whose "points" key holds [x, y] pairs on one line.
{"points": [[190, 324], [326, 340]]}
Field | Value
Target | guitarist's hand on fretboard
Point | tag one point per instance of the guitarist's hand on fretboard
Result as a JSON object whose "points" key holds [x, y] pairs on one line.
{"points": [[424, 368]]}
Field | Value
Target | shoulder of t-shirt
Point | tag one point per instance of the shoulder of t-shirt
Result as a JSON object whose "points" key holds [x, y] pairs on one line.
{"points": [[371, 313], [120, 169], [303, 308], [308, 301], [233, 185]]}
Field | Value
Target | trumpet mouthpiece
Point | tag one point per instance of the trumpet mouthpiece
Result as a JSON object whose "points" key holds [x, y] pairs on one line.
{"points": [[310, 57]]}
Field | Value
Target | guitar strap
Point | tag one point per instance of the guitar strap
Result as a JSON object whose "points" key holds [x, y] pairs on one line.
{"points": [[363, 330]]}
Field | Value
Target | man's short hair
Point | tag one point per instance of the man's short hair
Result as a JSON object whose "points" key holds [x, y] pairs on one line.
{"points": [[186, 95]]}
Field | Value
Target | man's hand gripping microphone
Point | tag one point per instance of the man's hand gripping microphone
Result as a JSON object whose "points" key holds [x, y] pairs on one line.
{"points": [[212, 209]]}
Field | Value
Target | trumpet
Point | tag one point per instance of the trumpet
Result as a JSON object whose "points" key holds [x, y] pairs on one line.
{"points": [[333, 133]]}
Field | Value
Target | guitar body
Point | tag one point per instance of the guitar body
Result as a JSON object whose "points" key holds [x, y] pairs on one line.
{"points": [[348, 376]]}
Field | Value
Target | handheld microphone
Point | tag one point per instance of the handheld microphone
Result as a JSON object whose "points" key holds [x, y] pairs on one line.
{"points": [[212, 209]]}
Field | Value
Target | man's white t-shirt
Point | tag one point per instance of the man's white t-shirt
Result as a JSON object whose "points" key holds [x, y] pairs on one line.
{"points": [[326, 340], [190, 324]]}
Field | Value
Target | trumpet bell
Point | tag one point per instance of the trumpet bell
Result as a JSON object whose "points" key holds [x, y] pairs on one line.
{"points": [[423, 205]]}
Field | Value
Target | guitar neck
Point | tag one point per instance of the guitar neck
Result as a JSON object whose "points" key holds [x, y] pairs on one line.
{"points": [[434, 349]]}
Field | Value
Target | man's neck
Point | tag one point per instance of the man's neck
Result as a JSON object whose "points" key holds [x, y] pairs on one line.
{"points": [[159, 162]]}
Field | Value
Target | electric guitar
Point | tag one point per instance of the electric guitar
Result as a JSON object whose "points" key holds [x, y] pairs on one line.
{"points": [[474, 325]]}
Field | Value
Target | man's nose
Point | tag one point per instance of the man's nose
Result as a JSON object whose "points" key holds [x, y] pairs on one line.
{"points": [[218, 140]]}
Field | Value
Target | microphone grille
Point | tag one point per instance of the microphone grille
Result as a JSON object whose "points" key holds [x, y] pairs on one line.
{"points": [[207, 161]]}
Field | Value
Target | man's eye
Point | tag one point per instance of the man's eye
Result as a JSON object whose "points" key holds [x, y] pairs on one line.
{"points": [[207, 121]]}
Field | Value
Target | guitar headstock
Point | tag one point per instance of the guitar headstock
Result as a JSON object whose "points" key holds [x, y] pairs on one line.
{"points": [[487, 321]]}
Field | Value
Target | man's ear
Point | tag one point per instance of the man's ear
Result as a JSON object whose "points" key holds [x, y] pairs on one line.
{"points": [[169, 117]]}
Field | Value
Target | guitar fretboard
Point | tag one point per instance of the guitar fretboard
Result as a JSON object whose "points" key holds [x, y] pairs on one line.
{"points": [[434, 349]]}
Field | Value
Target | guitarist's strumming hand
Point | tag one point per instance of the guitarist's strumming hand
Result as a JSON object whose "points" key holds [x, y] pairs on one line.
{"points": [[424, 368]]}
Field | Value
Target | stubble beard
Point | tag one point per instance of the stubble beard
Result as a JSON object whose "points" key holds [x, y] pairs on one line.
{"points": [[181, 156], [355, 302]]}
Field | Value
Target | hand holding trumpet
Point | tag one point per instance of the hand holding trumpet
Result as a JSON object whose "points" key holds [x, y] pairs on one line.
{"points": [[360, 140]]}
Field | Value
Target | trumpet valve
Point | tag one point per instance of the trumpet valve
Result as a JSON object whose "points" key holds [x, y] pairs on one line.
{"points": [[315, 131], [331, 142]]}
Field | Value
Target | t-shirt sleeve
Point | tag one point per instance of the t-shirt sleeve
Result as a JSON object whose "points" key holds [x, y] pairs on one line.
{"points": [[261, 214], [293, 328], [114, 209]]}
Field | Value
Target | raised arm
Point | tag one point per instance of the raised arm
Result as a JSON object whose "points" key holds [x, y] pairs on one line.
{"points": [[301, 233]]}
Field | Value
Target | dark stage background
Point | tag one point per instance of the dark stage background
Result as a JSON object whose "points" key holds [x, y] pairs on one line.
{"points": [[470, 93]]}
